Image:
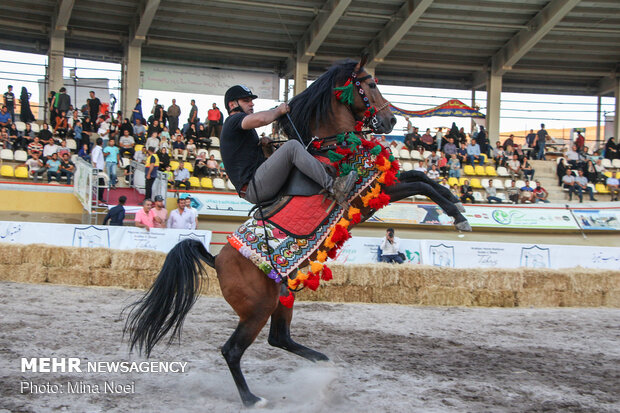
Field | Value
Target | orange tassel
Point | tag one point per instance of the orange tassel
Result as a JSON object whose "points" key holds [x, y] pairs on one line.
{"points": [[316, 267], [321, 256]]}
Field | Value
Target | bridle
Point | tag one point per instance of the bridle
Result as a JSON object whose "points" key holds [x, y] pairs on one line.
{"points": [[370, 114]]}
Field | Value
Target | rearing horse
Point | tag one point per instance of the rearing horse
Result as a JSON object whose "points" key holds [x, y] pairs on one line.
{"points": [[252, 295]]}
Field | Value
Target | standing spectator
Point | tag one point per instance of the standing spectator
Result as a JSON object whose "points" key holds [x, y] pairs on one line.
{"points": [[25, 113], [53, 165], [389, 248], [116, 215], [526, 193], [157, 111], [214, 115], [492, 193], [473, 153], [104, 129], [193, 211], [144, 217], [569, 182], [63, 101], [174, 111], [482, 136], [467, 192], [51, 101], [530, 140], [151, 168], [112, 159], [98, 161], [78, 134], [178, 149], [127, 143], [181, 218], [541, 139], [67, 168], [94, 104], [9, 101], [159, 212], [513, 192], [540, 194], [582, 182], [193, 114], [613, 186], [136, 113], [181, 177]]}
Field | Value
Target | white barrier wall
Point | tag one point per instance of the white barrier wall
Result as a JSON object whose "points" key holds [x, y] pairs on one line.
{"points": [[91, 236]]}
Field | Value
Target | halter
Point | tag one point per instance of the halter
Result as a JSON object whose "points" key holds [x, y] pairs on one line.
{"points": [[344, 94]]}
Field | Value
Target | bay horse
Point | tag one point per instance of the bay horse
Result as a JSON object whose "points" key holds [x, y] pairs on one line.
{"points": [[251, 294]]}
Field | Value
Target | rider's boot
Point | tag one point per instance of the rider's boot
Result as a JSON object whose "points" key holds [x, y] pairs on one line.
{"points": [[342, 186]]}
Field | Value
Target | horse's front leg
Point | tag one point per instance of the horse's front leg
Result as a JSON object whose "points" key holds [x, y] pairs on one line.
{"points": [[280, 335]]}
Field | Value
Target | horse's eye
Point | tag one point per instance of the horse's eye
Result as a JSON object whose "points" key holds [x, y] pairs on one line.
{"points": [[372, 86]]}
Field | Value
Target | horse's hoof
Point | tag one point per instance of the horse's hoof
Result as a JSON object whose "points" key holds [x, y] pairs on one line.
{"points": [[260, 403], [460, 207], [463, 226]]}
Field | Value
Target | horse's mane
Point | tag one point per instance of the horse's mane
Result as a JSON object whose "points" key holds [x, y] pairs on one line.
{"points": [[313, 105]]}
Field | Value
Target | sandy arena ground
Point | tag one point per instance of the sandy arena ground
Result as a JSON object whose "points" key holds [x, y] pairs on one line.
{"points": [[384, 358]]}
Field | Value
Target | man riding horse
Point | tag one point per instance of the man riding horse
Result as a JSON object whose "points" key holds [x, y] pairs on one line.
{"points": [[255, 177]]}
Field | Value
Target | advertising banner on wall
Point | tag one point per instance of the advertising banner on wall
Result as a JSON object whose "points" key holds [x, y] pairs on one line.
{"points": [[365, 250], [207, 81], [91, 236], [598, 219], [220, 204]]}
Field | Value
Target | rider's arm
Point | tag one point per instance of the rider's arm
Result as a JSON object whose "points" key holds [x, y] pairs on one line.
{"points": [[256, 120]]}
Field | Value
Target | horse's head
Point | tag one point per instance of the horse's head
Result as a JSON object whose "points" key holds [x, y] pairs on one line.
{"points": [[369, 105]]}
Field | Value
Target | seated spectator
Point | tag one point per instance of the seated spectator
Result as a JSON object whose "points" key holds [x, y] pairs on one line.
{"points": [[191, 132], [467, 192], [16, 138], [178, 149], [62, 125], [139, 132], [144, 217], [540, 194], [461, 154], [433, 159], [140, 156], [513, 192], [152, 141], [165, 133], [169, 174], [44, 133], [49, 150], [212, 167], [191, 149], [526, 169], [114, 130], [116, 215], [519, 152], [573, 157], [455, 190], [492, 193], [181, 177], [427, 141], [442, 164], [35, 166], [126, 126], [67, 168], [454, 166], [5, 142], [153, 129], [5, 117], [449, 148], [53, 167], [510, 141], [200, 166], [164, 158], [444, 183], [126, 144], [514, 167], [613, 186], [592, 174], [527, 193], [409, 143], [499, 155], [473, 153], [62, 149], [582, 182], [569, 182], [433, 173], [84, 153]]}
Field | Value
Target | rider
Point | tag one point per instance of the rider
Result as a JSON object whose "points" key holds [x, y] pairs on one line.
{"points": [[257, 178]]}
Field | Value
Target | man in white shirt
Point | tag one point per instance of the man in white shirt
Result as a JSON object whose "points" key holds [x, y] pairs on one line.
{"points": [[181, 218], [98, 161], [613, 186], [181, 177], [389, 248]]}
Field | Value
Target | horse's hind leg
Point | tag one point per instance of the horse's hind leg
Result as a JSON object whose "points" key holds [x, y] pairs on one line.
{"points": [[280, 335]]}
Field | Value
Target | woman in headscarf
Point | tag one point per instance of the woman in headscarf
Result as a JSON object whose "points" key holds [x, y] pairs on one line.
{"points": [[611, 149], [137, 112], [25, 113]]}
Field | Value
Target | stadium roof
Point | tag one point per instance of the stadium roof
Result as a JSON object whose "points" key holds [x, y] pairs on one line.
{"points": [[539, 46]]}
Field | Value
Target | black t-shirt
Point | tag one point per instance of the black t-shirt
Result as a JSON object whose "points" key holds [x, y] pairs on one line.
{"points": [[10, 100], [93, 106], [240, 150]]}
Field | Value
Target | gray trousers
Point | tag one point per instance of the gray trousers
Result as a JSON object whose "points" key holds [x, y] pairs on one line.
{"points": [[271, 176]]}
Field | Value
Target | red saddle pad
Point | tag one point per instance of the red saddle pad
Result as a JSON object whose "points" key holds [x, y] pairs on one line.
{"points": [[302, 215]]}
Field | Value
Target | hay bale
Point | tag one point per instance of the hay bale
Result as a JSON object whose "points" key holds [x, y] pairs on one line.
{"points": [[372, 275], [550, 280], [75, 275], [394, 294], [612, 299], [137, 260], [11, 254], [438, 295], [24, 273], [532, 297], [97, 257], [584, 299], [489, 298]]}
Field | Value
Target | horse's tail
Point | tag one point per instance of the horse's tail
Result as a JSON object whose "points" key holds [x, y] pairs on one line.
{"points": [[172, 295]]}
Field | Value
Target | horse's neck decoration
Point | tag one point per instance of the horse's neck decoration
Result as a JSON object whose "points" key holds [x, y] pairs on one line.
{"points": [[280, 258]]}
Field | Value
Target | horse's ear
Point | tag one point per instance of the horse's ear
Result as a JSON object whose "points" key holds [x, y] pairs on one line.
{"points": [[362, 62]]}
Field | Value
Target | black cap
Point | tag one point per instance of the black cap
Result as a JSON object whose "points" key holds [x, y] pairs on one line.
{"points": [[238, 92], [159, 198]]}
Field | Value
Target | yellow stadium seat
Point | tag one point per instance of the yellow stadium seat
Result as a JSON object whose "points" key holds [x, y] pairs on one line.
{"points": [[490, 170], [21, 172], [7, 170], [206, 183], [138, 148], [174, 165], [475, 183], [608, 174], [194, 182], [484, 158], [480, 170], [462, 180], [189, 167], [601, 189], [453, 181], [618, 175], [469, 170]]}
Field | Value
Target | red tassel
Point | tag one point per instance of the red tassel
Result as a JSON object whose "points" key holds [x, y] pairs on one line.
{"points": [[368, 144], [332, 253], [317, 144], [390, 178], [288, 300], [340, 234], [380, 160], [327, 274], [313, 281], [359, 125], [344, 151], [367, 114], [380, 201], [356, 219], [395, 167]]}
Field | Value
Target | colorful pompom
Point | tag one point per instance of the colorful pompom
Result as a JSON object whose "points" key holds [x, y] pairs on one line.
{"points": [[312, 282], [327, 273], [287, 301]]}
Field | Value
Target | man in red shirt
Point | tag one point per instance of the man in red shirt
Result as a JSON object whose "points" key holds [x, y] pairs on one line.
{"points": [[215, 122]]}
